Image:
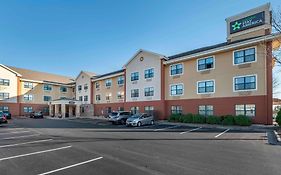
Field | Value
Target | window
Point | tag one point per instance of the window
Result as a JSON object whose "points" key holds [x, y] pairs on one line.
{"points": [[108, 96], [28, 97], [27, 109], [206, 110], [245, 56], [97, 85], [245, 109], [120, 80], [205, 87], [86, 87], [205, 63], [149, 109], [245, 83], [120, 95], [98, 98], [4, 96], [122, 109], [79, 88], [47, 87], [134, 76], [108, 83], [63, 89], [176, 109], [80, 98], [149, 73], [4, 82], [135, 110], [4, 108], [149, 91], [28, 85], [176, 69], [134, 93], [176, 89], [86, 98], [108, 110], [47, 98]]}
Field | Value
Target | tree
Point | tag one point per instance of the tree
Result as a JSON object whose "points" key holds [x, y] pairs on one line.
{"points": [[276, 28]]}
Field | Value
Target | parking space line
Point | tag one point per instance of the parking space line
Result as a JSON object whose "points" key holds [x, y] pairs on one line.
{"points": [[161, 129], [195, 129], [70, 166], [33, 153], [25, 143], [16, 137], [221, 133], [14, 132]]}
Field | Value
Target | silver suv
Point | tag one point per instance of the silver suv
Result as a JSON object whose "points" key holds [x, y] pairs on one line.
{"points": [[119, 117], [140, 119]]}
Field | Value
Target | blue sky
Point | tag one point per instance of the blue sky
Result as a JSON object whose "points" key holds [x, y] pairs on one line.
{"points": [[66, 36]]}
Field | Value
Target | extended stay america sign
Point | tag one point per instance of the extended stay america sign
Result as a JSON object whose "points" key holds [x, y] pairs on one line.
{"points": [[247, 22]]}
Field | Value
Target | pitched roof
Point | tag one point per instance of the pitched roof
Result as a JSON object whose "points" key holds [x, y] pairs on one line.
{"points": [[42, 76], [91, 74], [108, 74]]}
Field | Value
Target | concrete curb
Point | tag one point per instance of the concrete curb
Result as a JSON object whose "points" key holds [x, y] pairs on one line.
{"points": [[239, 128]]}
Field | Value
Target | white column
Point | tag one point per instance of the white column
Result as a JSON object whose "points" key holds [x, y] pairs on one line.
{"points": [[63, 110], [77, 110], [56, 110], [51, 110]]}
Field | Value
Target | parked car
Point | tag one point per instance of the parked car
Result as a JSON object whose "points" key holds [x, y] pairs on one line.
{"points": [[140, 119], [3, 118], [7, 114], [119, 117], [38, 114]]}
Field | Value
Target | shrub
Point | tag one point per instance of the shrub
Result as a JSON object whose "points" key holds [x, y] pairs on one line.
{"points": [[213, 120], [174, 118], [242, 120], [228, 120], [278, 118], [198, 119], [188, 118]]}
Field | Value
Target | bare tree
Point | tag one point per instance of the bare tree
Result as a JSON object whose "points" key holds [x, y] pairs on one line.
{"points": [[276, 28]]}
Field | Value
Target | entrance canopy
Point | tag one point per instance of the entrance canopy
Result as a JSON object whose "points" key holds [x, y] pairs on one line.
{"points": [[64, 107]]}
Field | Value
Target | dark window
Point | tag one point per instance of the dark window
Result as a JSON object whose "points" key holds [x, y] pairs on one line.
{"points": [[176, 69], [97, 85], [4, 96], [134, 93], [135, 110], [245, 109], [206, 110], [244, 56], [176, 89], [47, 87], [86, 87], [245, 83], [27, 109], [98, 98], [63, 89], [47, 98], [176, 109], [108, 83], [206, 63], [149, 110], [120, 80], [80, 98], [4, 108], [149, 73], [134, 76], [86, 98], [5, 82], [205, 86], [28, 85], [149, 91]]}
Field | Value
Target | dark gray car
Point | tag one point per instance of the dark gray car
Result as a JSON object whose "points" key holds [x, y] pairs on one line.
{"points": [[119, 117]]}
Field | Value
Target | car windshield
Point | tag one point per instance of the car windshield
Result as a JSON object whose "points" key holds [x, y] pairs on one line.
{"points": [[114, 113], [136, 116]]}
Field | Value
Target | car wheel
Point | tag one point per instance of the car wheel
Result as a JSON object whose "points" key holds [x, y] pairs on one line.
{"points": [[123, 122], [152, 122], [139, 124]]}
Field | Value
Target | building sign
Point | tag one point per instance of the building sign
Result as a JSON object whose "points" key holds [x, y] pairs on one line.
{"points": [[247, 22]]}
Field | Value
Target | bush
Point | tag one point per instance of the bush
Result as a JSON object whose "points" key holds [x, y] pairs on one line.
{"points": [[242, 120], [174, 118], [278, 118], [188, 118], [228, 120], [198, 119], [213, 120]]}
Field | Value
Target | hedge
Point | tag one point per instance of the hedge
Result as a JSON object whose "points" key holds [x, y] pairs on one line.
{"points": [[224, 120], [278, 118]]}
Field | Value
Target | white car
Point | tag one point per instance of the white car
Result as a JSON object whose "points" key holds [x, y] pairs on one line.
{"points": [[140, 119]]}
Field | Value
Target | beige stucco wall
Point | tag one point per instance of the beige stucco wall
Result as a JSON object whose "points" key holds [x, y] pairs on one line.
{"points": [[136, 65], [83, 79], [38, 93], [222, 74], [103, 91], [12, 88]]}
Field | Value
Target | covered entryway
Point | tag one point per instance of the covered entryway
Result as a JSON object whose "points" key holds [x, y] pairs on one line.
{"points": [[64, 107]]}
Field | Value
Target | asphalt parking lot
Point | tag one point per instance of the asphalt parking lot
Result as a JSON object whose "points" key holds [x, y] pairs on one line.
{"points": [[86, 146]]}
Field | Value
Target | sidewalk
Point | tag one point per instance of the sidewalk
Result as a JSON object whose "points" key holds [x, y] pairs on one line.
{"points": [[254, 127], [73, 118]]}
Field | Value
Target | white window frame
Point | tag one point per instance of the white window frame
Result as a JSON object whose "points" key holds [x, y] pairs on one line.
{"points": [[96, 98], [245, 90], [176, 74], [138, 93], [108, 80], [28, 97], [214, 63], [28, 83], [47, 96], [148, 69], [46, 89], [131, 76], [233, 58], [206, 92], [149, 91], [177, 94], [119, 77]]}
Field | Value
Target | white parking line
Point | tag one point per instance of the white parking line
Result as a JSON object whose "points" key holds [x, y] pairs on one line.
{"points": [[221, 133], [195, 129], [161, 129], [15, 132], [24, 143], [70, 166], [38, 152], [16, 137]]}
